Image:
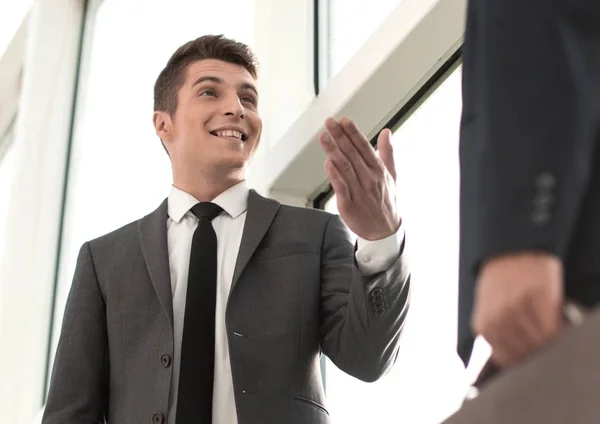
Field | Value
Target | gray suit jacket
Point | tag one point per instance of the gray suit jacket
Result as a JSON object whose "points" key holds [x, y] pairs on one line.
{"points": [[296, 292], [558, 384]]}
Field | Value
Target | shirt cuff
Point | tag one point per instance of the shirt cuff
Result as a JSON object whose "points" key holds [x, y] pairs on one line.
{"points": [[378, 255]]}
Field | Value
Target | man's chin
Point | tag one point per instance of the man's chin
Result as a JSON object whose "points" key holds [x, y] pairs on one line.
{"points": [[224, 165], [235, 161], [231, 166]]}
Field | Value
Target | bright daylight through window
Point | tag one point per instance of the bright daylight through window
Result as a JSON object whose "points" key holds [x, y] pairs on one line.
{"points": [[349, 25], [427, 382]]}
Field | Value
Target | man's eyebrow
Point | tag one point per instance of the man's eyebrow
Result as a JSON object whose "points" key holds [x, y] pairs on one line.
{"points": [[245, 85], [251, 87], [208, 78]]}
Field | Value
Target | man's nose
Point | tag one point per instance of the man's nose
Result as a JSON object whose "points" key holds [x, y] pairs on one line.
{"points": [[233, 107]]}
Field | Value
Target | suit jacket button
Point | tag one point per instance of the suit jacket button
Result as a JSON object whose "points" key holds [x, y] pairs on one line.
{"points": [[378, 299], [543, 201], [158, 418], [379, 312], [546, 181], [165, 360], [540, 218], [376, 292]]}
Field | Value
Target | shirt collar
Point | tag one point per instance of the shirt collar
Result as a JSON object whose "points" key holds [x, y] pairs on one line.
{"points": [[234, 201]]}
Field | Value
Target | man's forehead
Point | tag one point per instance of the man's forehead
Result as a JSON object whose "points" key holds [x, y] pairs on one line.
{"points": [[229, 73]]}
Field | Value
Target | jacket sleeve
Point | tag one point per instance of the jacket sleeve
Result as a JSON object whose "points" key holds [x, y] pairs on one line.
{"points": [[78, 391], [361, 316], [530, 124]]}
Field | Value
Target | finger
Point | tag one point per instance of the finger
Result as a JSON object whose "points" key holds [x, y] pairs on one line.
{"points": [[506, 335], [519, 336], [539, 326], [342, 164], [386, 151], [549, 323], [508, 347], [536, 323], [346, 146], [501, 356], [360, 141], [526, 334], [337, 183]]}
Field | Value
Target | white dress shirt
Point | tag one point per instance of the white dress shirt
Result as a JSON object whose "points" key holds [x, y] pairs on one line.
{"points": [[371, 256]]}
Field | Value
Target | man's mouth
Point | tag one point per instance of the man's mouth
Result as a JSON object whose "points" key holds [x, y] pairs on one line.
{"points": [[230, 133]]}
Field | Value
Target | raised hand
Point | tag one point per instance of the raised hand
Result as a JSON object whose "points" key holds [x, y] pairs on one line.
{"points": [[365, 184]]}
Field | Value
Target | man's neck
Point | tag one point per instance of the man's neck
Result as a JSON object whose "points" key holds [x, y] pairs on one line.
{"points": [[205, 191]]}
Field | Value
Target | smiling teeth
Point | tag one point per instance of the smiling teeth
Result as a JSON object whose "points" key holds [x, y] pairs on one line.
{"points": [[229, 133]]}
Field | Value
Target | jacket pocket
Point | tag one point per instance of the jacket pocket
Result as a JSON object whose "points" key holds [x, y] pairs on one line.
{"points": [[311, 403]]}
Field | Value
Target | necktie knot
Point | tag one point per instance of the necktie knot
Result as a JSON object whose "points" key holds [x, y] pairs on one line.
{"points": [[206, 210]]}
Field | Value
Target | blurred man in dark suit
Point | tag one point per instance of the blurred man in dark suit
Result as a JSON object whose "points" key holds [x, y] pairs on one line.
{"points": [[530, 171]]}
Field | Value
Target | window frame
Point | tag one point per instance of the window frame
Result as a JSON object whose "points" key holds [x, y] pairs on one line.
{"points": [[41, 136], [425, 91], [424, 33]]}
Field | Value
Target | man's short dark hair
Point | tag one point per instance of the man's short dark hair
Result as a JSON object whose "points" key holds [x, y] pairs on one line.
{"points": [[216, 47]]}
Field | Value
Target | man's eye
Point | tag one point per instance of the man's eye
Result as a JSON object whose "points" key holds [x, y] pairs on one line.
{"points": [[207, 93], [248, 99]]}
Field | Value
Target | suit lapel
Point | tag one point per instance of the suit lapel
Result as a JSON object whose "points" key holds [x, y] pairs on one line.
{"points": [[260, 215], [152, 230]]}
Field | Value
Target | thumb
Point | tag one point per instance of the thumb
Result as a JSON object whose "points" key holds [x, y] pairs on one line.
{"points": [[386, 151]]}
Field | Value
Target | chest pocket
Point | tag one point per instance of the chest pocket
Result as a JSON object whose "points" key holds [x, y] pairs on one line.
{"points": [[275, 285]]}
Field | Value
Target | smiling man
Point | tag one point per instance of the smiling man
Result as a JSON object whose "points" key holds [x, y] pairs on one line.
{"points": [[216, 307]]}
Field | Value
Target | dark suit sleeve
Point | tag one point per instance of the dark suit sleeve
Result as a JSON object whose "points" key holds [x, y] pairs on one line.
{"points": [[78, 390], [530, 124], [361, 317]]}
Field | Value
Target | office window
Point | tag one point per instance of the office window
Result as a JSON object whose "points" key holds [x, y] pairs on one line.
{"points": [[428, 381], [346, 26], [11, 16], [119, 171]]}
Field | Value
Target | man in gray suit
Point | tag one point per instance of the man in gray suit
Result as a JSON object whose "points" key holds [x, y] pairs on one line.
{"points": [[148, 337]]}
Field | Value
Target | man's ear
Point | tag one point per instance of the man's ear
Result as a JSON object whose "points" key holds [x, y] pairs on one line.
{"points": [[163, 125]]}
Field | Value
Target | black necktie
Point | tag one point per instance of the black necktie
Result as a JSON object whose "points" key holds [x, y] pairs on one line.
{"points": [[196, 375]]}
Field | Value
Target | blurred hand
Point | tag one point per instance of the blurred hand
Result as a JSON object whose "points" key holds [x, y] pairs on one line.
{"points": [[364, 184], [518, 303]]}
